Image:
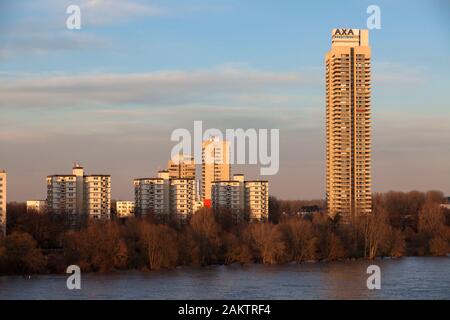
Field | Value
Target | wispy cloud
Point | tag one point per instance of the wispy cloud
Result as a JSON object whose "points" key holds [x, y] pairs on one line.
{"points": [[398, 74], [45, 31], [40, 43], [162, 87], [107, 12]]}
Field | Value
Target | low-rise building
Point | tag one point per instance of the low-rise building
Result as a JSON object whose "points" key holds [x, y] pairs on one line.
{"points": [[124, 208], [39, 206]]}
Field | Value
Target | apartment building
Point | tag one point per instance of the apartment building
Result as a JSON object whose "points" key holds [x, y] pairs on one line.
{"points": [[151, 194], [3, 187], [348, 124], [62, 193], [79, 194], [163, 195], [182, 197], [39, 206], [257, 199], [97, 196], [229, 194], [124, 208], [215, 166], [181, 166], [242, 197]]}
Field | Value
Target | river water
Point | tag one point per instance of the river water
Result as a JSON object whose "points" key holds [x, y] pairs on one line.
{"points": [[405, 278]]}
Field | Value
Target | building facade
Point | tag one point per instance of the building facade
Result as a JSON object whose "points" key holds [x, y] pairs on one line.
{"points": [[124, 208], [229, 194], [151, 194], [38, 206], [164, 196], [182, 166], [79, 194], [242, 197], [215, 166], [257, 199], [348, 124], [3, 185], [97, 196], [62, 194]]}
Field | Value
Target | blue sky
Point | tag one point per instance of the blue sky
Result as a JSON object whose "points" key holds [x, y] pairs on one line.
{"points": [[110, 94]]}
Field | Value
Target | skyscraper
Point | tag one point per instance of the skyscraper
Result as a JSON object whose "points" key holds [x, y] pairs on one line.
{"points": [[2, 202], [348, 124], [215, 165]]}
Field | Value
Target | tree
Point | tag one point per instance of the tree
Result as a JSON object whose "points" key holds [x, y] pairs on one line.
{"points": [[299, 239], [19, 254], [265, 242], [97, 248], [376, 229], [206, 236], [158, 243], [335, 248], [432, 229], [236, 250]]}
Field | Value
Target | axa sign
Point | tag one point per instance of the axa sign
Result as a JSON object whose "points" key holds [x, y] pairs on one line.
{"points": [[344, 32]]}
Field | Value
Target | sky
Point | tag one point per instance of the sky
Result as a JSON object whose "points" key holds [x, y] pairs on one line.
{"points": [[110, 94]]}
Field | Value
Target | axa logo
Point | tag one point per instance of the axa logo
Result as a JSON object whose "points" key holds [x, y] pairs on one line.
{"points": [[344, 32]]}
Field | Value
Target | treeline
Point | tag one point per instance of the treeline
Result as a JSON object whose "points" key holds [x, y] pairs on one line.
{"points": [[411, 223]]}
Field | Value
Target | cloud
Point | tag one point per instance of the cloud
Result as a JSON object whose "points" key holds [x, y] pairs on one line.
{"points": [[39, 27], [392, 73], [158, 88], [39, 43], [107, 12]]}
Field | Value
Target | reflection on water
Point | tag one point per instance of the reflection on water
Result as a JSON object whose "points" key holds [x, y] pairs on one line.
{"points": [[406, 278]]}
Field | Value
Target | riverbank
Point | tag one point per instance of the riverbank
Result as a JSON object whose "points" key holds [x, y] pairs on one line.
{"points": [[48, 243]]}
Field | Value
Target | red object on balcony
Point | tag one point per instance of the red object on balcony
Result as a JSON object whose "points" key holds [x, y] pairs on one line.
{"points": [[207, 203]]}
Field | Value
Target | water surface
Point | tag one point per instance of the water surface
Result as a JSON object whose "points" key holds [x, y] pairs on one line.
{"points": [[405, 278]]}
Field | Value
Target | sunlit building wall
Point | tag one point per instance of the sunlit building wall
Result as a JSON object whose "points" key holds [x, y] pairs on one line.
{"points": [[3, 186], [124, 208], [97, 196], [182, 167], [348, 124], [39, 206], [242, 197], [79, 194], [164, 196], [215, 165]]}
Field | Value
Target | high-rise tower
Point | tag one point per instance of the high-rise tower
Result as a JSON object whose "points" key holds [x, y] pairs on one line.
{"points": [[215, 165], [348, 126], [2, 202]]}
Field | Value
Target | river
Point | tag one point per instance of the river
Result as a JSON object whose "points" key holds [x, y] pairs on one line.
{"points": [[405, 278]]}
